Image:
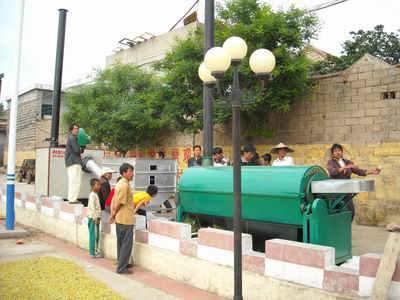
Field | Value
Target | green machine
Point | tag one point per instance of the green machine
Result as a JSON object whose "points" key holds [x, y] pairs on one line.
{"points": [[297, 203]]}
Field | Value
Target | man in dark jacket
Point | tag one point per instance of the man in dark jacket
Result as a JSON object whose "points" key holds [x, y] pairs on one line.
{"points": [[196, 160], [73, 163], [106, 175]]}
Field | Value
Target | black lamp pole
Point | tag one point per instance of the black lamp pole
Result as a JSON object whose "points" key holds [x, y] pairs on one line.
{"points": [[208, 105], [55, 121], [236, 98]]}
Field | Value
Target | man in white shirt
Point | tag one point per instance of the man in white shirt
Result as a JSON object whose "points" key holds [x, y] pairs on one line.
{"points": [[283, 160]]}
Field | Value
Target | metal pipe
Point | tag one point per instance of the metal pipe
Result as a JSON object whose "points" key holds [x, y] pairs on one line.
{"points": [[12, 139], [55, 121], [236, 96], [208, 105]]}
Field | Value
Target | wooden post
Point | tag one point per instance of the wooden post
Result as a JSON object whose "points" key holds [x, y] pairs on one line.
{"points": [[386, 267]]}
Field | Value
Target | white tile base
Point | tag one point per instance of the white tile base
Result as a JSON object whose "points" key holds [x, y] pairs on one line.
{"points": [[306, 275], [366, 284], [164, 242], [48, 211], [67, 216], [30, 205], [219, 256]]}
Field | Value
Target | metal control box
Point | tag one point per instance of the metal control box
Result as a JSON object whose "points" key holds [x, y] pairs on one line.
{"points": [[51, 173], [159, 172]]}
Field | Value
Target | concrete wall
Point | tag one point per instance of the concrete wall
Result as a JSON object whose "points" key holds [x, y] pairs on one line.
{"points": [[287, 269], [146, 53]]}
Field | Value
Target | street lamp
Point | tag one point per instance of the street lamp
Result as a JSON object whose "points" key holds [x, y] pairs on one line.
{"points": [[216, 62]]}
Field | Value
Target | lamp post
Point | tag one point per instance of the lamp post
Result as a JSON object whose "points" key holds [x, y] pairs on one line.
{"points": [[216, 62]]}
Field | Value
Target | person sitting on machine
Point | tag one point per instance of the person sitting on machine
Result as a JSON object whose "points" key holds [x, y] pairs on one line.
{"points": [[341, 168], [283, 160], [141, 199]]}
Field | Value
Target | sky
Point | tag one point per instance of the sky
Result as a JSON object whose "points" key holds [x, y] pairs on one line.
{"points": [[94, 28]]}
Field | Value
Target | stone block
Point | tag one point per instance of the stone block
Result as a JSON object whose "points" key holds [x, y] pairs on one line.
{"points": [[367, 120], [365, 90], [358, 128], [352, 121], [357, 84], [373, 82], [365, 75], [387, 111], [380, 88], [380, 73], [337, 279], [222, 239], [352, 77], [394, 71], [371, 112], [380, 104], [388, 80], [175, 230]]}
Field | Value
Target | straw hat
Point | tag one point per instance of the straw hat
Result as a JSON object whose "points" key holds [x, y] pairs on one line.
{"points": [[279, 146], [107, 170]]}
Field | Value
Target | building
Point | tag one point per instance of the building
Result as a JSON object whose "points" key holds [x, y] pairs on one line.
{"points": [[33, 120], [147, 49]]}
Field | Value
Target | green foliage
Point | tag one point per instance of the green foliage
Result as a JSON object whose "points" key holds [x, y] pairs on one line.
{"points": [[2, 111], [377, 42], [285, 33], [118, 110]]}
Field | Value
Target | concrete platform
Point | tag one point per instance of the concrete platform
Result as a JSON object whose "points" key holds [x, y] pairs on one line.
{"points": [[12, 234]]}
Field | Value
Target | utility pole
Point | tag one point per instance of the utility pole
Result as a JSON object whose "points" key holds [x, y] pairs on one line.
{"points": [[12, 133]]}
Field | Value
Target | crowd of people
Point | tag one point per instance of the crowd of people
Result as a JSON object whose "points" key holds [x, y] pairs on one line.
{"points": [[122, 203], [249, 157]]}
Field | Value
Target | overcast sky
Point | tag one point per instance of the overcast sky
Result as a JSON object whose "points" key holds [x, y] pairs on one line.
{"points": [[95, 27]]}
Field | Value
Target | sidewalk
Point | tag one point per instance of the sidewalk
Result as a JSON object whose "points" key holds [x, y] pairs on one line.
{"points": [[141, 285]]}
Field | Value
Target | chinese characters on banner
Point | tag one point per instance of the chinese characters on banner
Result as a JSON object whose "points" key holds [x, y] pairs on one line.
{"points": [[57, 153]]}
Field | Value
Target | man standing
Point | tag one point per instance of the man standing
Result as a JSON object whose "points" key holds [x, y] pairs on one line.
{"points": [[123, 213], [73, 163], [196, 160], [106, 175]]}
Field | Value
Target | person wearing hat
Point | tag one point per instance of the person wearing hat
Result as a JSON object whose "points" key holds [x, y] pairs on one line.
{"points": [[106, 175], [283, 160]]}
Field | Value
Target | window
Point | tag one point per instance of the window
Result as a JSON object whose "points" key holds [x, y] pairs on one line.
{"points": [[47, 110]]}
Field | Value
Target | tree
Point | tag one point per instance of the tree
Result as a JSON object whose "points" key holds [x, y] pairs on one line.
{"points": [[377, 42], [118, 109], [2, 111], [285, 33]]}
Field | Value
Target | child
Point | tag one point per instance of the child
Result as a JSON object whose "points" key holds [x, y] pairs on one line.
{"points": [[94, 216], [266, 160], [143, 198]]}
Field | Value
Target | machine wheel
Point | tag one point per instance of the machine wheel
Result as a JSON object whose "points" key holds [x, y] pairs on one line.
{"points": [[19, 176], [29, 177]]}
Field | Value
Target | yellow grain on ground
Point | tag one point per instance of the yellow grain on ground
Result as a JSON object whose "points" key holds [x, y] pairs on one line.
{"points": [[49, 278]]}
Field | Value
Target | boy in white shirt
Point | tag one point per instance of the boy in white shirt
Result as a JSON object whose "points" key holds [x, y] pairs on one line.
{"points": [[94, 217]]}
